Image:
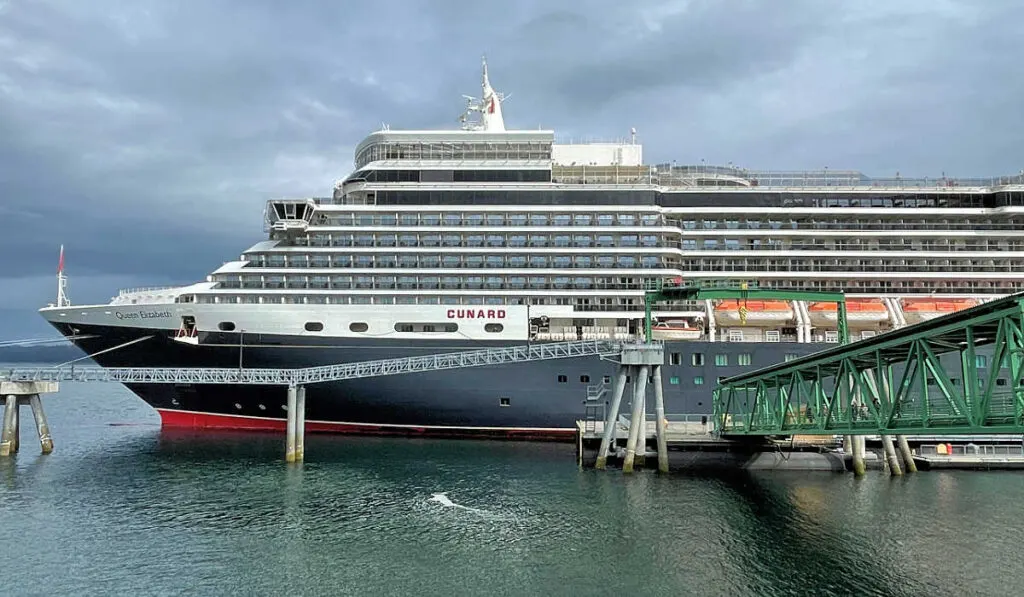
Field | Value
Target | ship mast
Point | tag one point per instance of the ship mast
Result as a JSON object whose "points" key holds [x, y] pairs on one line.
{"points": [[62, 282], [488, 106]]}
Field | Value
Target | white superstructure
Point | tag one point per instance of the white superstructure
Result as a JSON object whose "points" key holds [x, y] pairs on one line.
{"points": [[488, 218]]}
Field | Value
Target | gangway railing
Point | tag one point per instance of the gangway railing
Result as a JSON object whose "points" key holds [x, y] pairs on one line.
{"points": [[322, 374]]}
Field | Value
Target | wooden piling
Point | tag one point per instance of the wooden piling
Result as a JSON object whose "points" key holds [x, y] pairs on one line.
{"points": [[612, 418]]}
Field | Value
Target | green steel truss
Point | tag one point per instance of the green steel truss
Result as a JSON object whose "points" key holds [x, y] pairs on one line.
{"points": [[956, 374]]}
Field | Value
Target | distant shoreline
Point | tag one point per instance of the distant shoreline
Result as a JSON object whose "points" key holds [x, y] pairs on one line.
{"points": [[39, 354]]}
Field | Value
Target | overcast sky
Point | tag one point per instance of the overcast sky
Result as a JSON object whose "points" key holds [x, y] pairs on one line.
{"points": [[146, 135]]}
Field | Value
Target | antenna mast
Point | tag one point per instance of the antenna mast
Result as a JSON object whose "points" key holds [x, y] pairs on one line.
{"points": [[62, 282]]}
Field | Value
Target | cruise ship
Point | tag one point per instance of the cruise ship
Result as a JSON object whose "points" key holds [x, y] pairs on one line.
{"points": [[478, 236]]}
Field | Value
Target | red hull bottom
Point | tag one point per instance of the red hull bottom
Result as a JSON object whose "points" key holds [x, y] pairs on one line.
{"points": [[197, 420]]}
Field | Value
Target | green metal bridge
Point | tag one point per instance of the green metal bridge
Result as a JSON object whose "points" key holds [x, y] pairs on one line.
{"points": [[956, 374]]}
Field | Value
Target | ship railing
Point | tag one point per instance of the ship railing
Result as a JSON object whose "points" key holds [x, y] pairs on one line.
{"points": [[141, 289]]}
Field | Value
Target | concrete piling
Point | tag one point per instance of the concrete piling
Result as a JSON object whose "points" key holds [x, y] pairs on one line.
{"points": [[659, 421], [7, 442], [637, 422], [908, 457], [891, 457], [612, 418], [289, 450], [18, 394], [641, 440], [300, 424], [859, 467]]}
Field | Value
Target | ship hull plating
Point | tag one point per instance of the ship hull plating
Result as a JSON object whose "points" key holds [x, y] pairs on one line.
{"points": [[539, 399]]}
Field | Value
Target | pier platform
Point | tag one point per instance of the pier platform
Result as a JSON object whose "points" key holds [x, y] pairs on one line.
{"points": [[692, 446]]}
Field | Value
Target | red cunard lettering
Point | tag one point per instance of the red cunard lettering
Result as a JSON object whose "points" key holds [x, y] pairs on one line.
{"points": [[476, 314]]}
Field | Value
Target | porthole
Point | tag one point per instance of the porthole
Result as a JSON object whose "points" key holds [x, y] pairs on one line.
{"points": [[226, 326], [263, 407], [358, 326], [238, 406], [314, 326], [493, 328]]}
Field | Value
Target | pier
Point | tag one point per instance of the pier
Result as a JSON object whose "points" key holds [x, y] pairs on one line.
{"points": [[25, 385]]}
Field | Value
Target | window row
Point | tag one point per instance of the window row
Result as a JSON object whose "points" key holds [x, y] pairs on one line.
{"points": [[467, 150], [379, 282], [455, 219], [479, 240], [452, 261]]}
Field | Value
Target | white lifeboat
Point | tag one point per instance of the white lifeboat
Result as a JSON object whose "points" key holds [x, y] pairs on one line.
{"points": [[753, 313], [675, 330]]}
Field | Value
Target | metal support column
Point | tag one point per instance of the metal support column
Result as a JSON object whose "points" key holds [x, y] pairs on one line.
{"points": [[612, 419], [637, 423]]}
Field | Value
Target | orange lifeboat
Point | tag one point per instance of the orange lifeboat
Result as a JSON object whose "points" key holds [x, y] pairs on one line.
{"points": [[753, 313], [918, 310], [858, 311]]}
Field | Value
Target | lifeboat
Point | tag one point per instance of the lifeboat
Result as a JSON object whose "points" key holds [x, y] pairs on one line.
{"points": [[858, 311], [757, 313], [676, 330], [918, 310]]}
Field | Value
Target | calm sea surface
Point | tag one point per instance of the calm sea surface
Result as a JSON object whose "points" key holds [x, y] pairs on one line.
{"points": [[123, 508]]}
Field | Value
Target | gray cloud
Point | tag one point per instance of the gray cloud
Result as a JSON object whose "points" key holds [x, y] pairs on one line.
{"points": [[146, 136]]}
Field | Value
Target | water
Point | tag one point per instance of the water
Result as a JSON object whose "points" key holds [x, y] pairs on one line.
{"points": [[123, 508]]}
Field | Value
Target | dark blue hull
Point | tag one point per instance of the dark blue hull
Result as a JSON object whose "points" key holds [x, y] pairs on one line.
{"points": [[541, 398]]}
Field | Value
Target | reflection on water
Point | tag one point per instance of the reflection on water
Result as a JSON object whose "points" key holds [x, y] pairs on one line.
{"points": [[130, 508]]}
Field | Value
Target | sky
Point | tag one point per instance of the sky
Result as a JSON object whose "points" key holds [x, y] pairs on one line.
{"points": [[146, 136]]}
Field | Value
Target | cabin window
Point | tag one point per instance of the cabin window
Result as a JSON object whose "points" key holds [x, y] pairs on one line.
{"points": [[427, 328], [721, 360], [562, 379], [493, 327], [226, 326], [743, 358], [673, 380], [698, 381], [314, 326], [697, 359], [584, 379], [403, 327], [358, 326], [505, 401]]}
